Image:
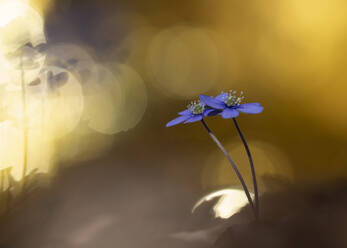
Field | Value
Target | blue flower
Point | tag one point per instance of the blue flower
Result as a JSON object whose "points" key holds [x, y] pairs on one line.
{"points": [[229, 104], [195, 112]]}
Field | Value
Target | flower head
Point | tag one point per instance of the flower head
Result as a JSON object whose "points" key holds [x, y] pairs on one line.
{"points": [[195, 111], [229, 104], [196, 107], [231, 98]]}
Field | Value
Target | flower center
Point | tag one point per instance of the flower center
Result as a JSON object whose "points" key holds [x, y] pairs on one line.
{"points": [[196, 107], [232, 99]]}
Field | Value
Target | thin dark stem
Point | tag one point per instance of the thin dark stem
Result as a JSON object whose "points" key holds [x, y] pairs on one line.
{"points": [[24, 123], [2, 186], [238, 174], [254, 177], [2, 180], [8, 197]]}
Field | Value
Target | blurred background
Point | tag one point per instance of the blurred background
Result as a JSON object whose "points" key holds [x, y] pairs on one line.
{"points": [[102, 78]]}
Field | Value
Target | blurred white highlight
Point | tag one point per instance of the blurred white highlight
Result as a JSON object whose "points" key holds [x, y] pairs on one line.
{"points": [[230, 202]]}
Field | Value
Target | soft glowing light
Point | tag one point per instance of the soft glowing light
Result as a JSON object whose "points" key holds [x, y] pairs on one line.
{"points": [[21, 30], [63, 105], [115, 99], [117, 102], [230, 202], [11, 142], [57, 111], [75, 58], [20, 24], [269, 161], [54, 109], [183, 61], [134, 95], [103, 102], [11, 150], [7, 132], [43, 6], [12, 99], [10, 10]]}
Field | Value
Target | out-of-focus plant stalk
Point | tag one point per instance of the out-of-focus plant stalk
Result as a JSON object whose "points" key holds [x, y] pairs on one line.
{"points": [[9, 188], [24, 124]]}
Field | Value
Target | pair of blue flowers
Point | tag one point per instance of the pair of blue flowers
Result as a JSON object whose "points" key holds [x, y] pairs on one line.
{"points": [[228, 105]]}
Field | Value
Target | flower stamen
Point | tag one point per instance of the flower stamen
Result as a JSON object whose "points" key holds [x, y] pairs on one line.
{"points": [[231, 99], [196, 107]]}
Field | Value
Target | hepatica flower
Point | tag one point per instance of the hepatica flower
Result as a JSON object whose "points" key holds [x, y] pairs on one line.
{"points": [[229, 104], [195, 112]]}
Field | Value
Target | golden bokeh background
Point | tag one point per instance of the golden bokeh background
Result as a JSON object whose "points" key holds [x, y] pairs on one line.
{"points": [[131, 66], [87, 87]]}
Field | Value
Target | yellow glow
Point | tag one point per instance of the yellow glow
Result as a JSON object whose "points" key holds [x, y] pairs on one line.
{"points": [[7, 133], [230, 202], [183, 61], [267, 158], [11, 150], [312, 19], [22, 24], [103, 102], [117, 102], [136, 44], [134, 94], [58, 113], [63, 108], [50, 115], [42, 6], [10, 10], [114, 98]]}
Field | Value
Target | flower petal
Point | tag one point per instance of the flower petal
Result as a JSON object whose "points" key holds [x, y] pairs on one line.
{"points": [[178, 120], [212, 102], [185, 112], [250, 108], [211, 112], [194, 118], [221, 96], [229, 113]]}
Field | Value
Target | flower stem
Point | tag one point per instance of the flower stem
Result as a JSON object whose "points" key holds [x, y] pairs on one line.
{"points": [[238, 174], [9, 187], [24, 123], [255, 184]]}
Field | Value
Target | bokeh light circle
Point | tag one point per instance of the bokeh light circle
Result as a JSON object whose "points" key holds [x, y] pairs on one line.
{"points": [[103, 102], [63, 106], [183, 61], [268, 160], [75, 58], [22, 38], [117, 101]]}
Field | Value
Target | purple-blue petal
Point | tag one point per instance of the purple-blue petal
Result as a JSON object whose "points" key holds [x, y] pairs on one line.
{"points": [[211, 112], [178, 120], [185, 112], [194, 118], [250, 108], [221, 96], [212, 102], [229, 113]]}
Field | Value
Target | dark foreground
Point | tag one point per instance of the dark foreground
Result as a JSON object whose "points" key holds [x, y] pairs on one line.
{"points": [[119, 206], [295, 218]]}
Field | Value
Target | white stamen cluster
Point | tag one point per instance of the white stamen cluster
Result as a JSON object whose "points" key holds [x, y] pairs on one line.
{"points": [[231, 98], [196, 107]]}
